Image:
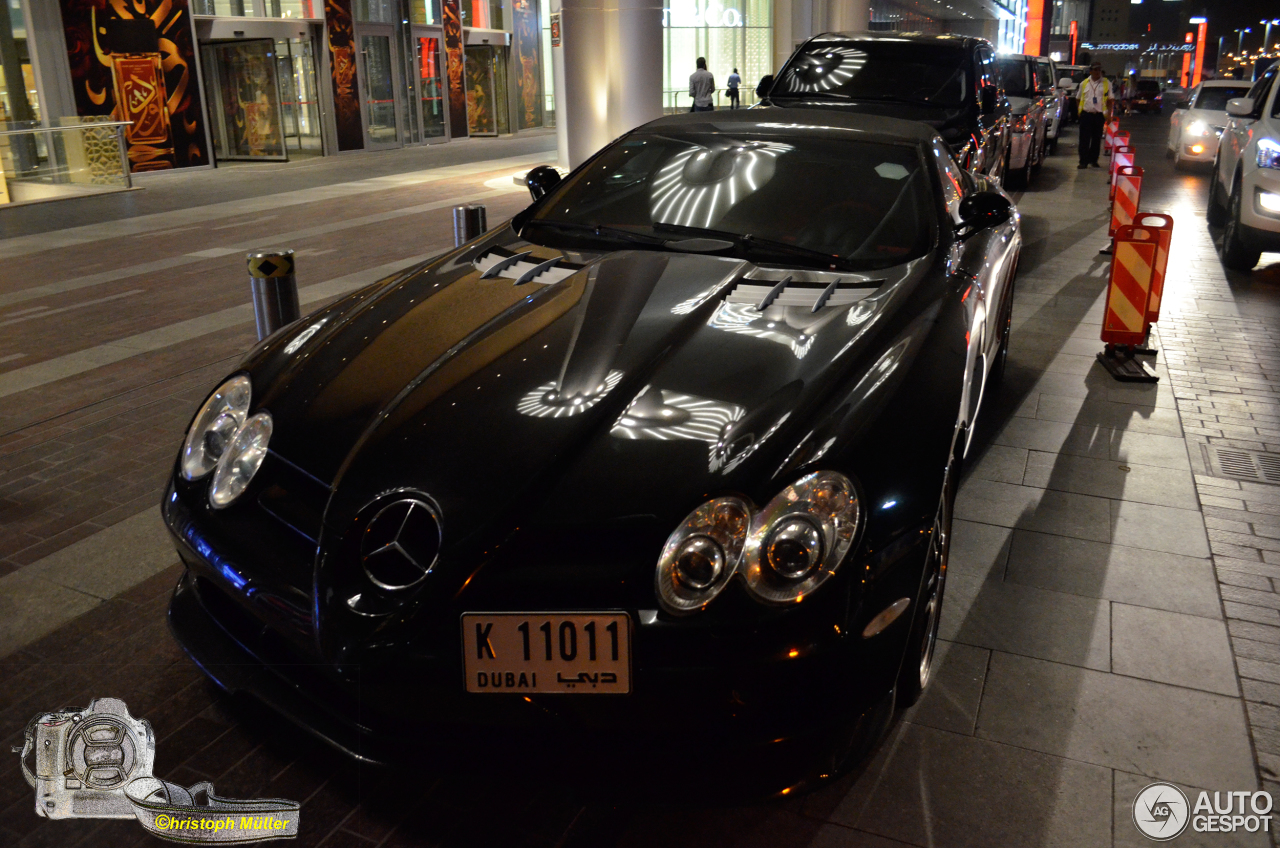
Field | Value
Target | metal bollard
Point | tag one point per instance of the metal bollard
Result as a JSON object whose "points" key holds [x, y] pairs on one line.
{"points": [[275, 290], [469, 221]]}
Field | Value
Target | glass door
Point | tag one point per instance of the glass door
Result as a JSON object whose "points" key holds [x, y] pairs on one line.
{"points": [[481, 106], [378, 88], [429, 68], [244, 99]]}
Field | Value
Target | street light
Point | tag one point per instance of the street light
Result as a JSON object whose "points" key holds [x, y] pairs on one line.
{"points": [[1240, 40], [1266, 38]]}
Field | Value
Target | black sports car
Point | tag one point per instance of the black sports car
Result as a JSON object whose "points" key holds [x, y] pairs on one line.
{"points": [[664, 464], [951, 82]]}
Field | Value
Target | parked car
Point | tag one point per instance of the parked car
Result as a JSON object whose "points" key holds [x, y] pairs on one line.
{"points": [[1145, 96], [1173, 94], [949, 82], [677, 443], [1017, 74], [1244, 193], [1055, 100], [1197, 123]]}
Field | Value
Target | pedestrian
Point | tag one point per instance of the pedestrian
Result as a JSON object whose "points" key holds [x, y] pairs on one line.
{"points": [[732, 90], [1095, 105], [701, 86]]}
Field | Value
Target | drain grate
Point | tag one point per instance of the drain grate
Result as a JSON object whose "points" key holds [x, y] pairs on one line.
{"points": [[1242, 464]]}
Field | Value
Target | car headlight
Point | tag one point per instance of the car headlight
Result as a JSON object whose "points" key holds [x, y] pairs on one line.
{"points": [[1268, 153], [702, 554], [800, 538], [1197, 129], [241, 460], [215, 427]]}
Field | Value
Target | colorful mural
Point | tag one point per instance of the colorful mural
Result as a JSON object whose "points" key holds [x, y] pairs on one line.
{"points": [[342, 67], [528, 45], [454, 64], [134, 60]]}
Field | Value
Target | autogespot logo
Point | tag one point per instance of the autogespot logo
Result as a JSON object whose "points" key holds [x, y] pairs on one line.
{"points": [[1161, 811]]}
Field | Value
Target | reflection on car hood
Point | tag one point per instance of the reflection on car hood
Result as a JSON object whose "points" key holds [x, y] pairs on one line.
{"points": [[483, 386]]}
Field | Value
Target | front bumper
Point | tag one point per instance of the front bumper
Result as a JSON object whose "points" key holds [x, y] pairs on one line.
{"points": [[1263, 227], [1208, 145]]}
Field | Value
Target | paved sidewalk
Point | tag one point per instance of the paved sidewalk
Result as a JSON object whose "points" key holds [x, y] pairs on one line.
{"points": [[1108, 593]]}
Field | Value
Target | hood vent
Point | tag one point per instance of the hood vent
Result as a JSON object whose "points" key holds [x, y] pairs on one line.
{"points": [[523, 267], [814, 289]]}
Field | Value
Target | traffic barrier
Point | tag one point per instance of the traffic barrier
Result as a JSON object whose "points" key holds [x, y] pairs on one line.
{"points": [[1164, 227], [1109, 130], [1124, 206], [469, 221], [275, 290], [1121, 157], [1124, 323]]}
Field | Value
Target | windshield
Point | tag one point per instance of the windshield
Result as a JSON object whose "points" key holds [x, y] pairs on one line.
{"points": [[852, 203], [1015, 77], [877, 70], [1148, 87], [1044, 76], [1216, 97]]}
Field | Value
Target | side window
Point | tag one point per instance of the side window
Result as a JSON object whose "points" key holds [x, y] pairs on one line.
{"points": [[955, 182], [985, 70], [1261, 89]]}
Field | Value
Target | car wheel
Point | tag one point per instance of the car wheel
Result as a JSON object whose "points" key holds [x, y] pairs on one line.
{"points": [[996, 377], [1016, 179], [1216, 212], [917, 662], [1236, 254], [1053, 146]]}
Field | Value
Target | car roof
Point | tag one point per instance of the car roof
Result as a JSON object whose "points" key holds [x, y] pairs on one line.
{"points": [[945, 39], [1226, 84], [799, 120]]}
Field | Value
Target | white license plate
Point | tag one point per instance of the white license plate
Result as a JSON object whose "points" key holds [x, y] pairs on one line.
{"points": [[547, 653]]}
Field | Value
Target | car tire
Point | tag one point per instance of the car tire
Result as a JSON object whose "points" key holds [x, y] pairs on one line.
{"points": [[1237, 255], [1053, 147], [1216, 211], [917, 662], [996, 377], [1016, 179]]}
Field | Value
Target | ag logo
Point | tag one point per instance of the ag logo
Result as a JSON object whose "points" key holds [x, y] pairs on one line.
{"points": [[1161, 811]]}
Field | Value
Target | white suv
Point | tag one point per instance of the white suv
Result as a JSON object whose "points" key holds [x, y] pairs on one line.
{"points": [[1244, 193]]}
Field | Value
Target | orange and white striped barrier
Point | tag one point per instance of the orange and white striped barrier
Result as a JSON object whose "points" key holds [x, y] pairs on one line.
{"points": [[1163, 227], [1109, 131], [1124, 323], [1124, 206], [1121, 157]]}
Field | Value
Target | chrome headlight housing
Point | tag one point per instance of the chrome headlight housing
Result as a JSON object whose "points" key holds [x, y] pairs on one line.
{"points": [[702, 554], [215, 427], [241, 460], [799, 539]]}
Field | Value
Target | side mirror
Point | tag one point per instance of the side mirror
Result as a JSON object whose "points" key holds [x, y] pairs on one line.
{"points": [[1066, 82], [985, 209], [766, 84], [1240, 107], [541, 180], [988, 99]]}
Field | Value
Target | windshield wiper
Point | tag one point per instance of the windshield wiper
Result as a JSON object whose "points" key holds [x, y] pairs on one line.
{"points": [[747, 241], [601, 231]]}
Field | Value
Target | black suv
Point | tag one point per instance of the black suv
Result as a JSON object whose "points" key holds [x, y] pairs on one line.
{"points": [[949, 82], [1146, 96]]}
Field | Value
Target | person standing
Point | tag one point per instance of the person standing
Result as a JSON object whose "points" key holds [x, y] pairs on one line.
{"points": [[1095, 105], [701, 86], [732, 90]]}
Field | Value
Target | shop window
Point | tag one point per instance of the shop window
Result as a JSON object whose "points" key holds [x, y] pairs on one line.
{"points": [[18, 101], [475, 13], [376, 11], [229, 8], [424, 11], [295, 8], [728, 33]]}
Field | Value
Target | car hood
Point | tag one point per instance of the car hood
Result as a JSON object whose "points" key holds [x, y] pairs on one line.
{"points": [[479, 387]]}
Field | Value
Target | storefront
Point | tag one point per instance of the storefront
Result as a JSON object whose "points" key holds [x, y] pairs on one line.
{"points": [[728, 34]]}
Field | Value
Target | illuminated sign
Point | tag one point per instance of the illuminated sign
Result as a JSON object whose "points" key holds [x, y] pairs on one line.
{"points": [[701, 13], [1108, 48]]}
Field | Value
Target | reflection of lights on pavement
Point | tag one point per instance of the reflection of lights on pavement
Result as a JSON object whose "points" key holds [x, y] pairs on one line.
{"points": [[666, 415], [546, 401]]}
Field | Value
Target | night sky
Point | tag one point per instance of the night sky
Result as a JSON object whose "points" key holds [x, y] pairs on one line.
{"points": [[1168, 21]]}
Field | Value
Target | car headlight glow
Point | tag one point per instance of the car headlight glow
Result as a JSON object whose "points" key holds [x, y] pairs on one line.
{"points": [[800, 537], [241, 460], [702, 554], [1269, 201], [215, 426], [1197, 129], [1268, 153]]}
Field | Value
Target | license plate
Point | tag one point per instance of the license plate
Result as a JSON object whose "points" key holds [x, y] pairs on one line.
{"points": [[527, 653]]}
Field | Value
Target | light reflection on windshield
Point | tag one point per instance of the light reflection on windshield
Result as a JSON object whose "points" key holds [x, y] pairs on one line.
{"points": [[700, 184]]}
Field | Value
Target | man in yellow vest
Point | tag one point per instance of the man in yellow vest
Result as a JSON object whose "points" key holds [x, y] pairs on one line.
{"points": [[1095, 107]]}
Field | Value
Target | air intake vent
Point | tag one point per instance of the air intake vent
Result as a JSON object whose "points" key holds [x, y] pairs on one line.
{"points": [[812, 290], [523, 267], [1242, 464]]}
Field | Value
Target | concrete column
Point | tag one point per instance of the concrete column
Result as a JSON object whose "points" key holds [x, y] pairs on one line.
{"points": [[608, 71], [848, 16]]}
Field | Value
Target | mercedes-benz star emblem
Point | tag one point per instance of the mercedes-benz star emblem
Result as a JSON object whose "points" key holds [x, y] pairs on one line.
{"points": [[400, 544]]}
